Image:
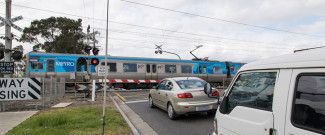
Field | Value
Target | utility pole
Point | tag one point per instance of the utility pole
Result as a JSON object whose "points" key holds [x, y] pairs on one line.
{"points": [[8, 39], [106, 71]]}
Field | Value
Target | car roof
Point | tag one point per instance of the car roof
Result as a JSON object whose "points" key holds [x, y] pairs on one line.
{"points": [[183, 78], [301, 59]]}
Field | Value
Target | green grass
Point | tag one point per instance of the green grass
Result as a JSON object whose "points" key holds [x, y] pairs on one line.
{"points": [[73, 121]]}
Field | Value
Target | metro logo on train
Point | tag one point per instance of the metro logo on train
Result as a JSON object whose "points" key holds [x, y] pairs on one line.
{"points": [[20, 89]]}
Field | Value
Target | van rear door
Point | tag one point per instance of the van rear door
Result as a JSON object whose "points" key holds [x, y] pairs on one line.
{"points": [[306, 103], [247, 108]]}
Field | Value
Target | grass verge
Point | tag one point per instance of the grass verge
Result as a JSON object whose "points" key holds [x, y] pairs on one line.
{"points": [[73, 121]]}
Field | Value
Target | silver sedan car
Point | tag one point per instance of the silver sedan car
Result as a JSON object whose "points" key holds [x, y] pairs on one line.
{"points": [[182, 95]]}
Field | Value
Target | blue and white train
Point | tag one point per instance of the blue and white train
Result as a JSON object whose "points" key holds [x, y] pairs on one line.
{"points": [[130, 68]]}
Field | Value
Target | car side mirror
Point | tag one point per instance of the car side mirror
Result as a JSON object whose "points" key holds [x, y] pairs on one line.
{"points": [[169, 87], [210, 92], [207, 89]]}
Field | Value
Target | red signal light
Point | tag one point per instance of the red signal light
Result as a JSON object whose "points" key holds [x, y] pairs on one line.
{"points": [[94, 61]]}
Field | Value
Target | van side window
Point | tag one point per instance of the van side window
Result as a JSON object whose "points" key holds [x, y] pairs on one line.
{"points": [[254, 90], [308, 111]]}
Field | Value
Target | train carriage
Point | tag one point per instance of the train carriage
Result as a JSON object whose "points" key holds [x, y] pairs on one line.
{"points": [[138, 70]]}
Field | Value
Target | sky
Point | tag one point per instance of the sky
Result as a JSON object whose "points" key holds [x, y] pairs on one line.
{"points": [[229, 30]]}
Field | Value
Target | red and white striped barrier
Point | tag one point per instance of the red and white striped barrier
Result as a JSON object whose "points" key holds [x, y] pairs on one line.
{"points": [[129, 81]]}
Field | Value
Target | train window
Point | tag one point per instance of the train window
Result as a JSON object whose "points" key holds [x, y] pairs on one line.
{"points": [[202, 69], [148, 68], [217, 70], [112, 66], [170, 68], [130, 67], [154, 68], [50, 65], [37, 65], [186, 69]]}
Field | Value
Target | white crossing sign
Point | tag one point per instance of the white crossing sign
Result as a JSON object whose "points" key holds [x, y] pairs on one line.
{"points": [[20, 89], [11, 22], [101, 70]]}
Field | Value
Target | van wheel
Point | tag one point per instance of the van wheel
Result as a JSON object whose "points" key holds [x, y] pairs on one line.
{"points": [[151, 103], [171, 112]]}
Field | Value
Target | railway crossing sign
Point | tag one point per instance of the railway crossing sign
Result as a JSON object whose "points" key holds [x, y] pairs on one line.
{"points": [[101, 70], [20, 89], [11, 22]]}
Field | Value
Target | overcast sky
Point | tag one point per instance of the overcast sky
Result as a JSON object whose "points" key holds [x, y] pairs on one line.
{"points": [[231, 36]]}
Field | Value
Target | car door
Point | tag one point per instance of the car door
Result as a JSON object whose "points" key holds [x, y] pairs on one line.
{"points": [[306, 103], [165, 93], [247, 107], [157, 96]]}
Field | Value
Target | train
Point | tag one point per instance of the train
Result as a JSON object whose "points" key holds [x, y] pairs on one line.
{"points": [[128, 72]]}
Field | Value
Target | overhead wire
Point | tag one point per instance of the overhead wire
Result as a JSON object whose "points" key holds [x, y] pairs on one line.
{"points": [[148, 27], [223, 20]]}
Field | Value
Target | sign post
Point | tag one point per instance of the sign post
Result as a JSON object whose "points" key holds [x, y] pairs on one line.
{"points": [[93, 92]]}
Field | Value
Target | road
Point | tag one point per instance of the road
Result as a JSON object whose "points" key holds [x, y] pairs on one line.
{"points": [[194, 124]]}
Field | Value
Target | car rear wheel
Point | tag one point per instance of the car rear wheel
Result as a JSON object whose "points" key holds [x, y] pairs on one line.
{"points": [[151, 103], [171, 112]]}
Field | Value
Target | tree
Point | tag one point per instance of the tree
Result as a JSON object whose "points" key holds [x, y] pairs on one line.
{"points": [[55, 35]]}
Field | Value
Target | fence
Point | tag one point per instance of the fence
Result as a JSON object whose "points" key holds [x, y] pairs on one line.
{"points": [[53, 89]]}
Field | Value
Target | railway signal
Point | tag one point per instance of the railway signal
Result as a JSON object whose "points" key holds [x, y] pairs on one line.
{"points": [[95, 51], [94, 61], [81, 62], [87, 49]]}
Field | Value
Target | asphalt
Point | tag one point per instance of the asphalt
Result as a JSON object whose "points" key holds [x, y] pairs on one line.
{"points": [[157, 119]]}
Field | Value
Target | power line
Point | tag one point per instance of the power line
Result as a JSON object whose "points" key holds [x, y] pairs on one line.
{"points": [[178, 38], [141, 26], [223, 20]]}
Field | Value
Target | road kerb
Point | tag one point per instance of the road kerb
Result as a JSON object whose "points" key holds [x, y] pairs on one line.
{"points": [[120, 96], [133, 128], [135, 119]]}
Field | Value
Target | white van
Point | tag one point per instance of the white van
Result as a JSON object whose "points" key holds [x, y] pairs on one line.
{"points": [[277, 96]]}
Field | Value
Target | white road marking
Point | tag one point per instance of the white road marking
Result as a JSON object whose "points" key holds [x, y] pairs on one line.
{"points": [[137, 101]]}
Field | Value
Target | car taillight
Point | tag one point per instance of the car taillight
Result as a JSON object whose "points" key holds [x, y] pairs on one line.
{"points": [[184, 95], [215, 94]]}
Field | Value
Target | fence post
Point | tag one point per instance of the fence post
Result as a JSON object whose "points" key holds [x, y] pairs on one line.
{"points": [[56, 88], [3, 106], [43, 92], [51, 88], [93, 91]]}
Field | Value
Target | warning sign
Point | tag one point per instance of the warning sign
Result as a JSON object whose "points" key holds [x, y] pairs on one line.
{"points": [[7, 67], [20, 89]]}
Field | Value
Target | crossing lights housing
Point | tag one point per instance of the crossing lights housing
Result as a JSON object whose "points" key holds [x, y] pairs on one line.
{"points": [[87, 49], [17, 55], [95, 51], [94, 61], [81, 62]]}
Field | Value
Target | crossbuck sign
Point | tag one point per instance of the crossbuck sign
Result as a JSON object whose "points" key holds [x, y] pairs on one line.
{"points": [[20, 89]]}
